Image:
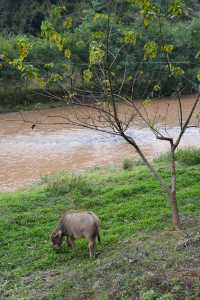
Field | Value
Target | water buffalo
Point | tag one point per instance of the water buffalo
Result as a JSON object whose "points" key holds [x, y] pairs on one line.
{"points": [[76, 225]]}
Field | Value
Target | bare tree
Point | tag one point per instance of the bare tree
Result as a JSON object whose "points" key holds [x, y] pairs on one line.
{"points": [[106, 89], [106, 116]]}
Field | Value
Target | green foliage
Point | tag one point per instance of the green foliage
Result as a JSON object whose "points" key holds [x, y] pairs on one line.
{"points": [[87, 75], [167, 296], [96, 54], [73, 39], [168, 48], [176, 8], [176, 71], [198, 75], [151, 295], [149, 10], [187, 156], [130, 37], [68, 22], [150, 50], [46, 29]]}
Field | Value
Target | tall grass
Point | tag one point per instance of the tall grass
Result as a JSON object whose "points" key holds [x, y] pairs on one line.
{"points": [[188, 156]]}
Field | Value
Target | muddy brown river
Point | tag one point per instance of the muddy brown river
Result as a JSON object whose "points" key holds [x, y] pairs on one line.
{"points": [[26, 154]]}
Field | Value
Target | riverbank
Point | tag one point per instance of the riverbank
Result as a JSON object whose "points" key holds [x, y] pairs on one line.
{"points": [[15, 100], [51, 147], [139, 250]]}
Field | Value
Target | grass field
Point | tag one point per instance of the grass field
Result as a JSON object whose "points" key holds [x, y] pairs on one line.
{"points": [[137, 258]]}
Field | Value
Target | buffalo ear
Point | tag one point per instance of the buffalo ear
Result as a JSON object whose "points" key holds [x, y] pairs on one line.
{"points": [[59, 233], [56, 234]]}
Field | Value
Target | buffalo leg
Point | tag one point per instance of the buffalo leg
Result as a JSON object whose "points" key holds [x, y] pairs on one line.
{"points": [[91, 247], [70, 242]]}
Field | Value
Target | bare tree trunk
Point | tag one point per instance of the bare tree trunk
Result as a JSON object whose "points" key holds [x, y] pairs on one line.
{"points": [[173, 199], [154, 173]]}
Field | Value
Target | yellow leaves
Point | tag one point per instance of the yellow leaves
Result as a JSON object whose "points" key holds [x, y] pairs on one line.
{"points": [[146, 21], [98, 35], [100, 18], [87, 75], [30, 71], [56, 39], [24, 52], [26, 70], [148, 9], [18, 64], [46, 29], [71, 95], [176, 71], [56, 11], [147, 102], [96, 53], [49, 66], [24, 46], [150, 50], [168, 48], [198, 54], [176, 8], [67, 53], [42, 83], [68, 98], [129, 37], [156, 88], [68, 23], [107, 87], [67, 67], [55, 77], [198, 75]]}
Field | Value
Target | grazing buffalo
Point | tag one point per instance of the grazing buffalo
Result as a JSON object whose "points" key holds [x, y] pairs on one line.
{"points": [[76, 225]]}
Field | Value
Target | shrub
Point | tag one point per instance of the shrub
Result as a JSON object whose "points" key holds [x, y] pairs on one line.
{"points": [[128, 164]]}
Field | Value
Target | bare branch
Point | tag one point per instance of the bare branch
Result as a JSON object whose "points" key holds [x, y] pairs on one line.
{"points": [[180, 110], [187, 121]]}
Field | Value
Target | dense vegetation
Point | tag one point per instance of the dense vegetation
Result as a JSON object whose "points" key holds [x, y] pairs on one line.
{"points": [[182, 32], [138, 253], [22, 16]]}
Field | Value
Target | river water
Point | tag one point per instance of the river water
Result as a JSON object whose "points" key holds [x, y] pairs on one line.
{"points": [[26, 154]]}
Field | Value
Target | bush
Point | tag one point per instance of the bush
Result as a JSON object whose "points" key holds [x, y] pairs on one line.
{"points": [[128, 164]]}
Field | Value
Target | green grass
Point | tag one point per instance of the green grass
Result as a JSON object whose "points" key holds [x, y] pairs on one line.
{"points": [[189, 156], [133, 212]]}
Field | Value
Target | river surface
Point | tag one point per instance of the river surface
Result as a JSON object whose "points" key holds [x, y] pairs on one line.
{"points": [[26, 154]]}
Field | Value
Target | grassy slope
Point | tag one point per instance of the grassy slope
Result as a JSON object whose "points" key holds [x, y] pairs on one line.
{"points": [[137, 251]]}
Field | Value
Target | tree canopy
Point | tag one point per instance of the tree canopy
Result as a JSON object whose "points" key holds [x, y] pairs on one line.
{"points": [[78, 27]]}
